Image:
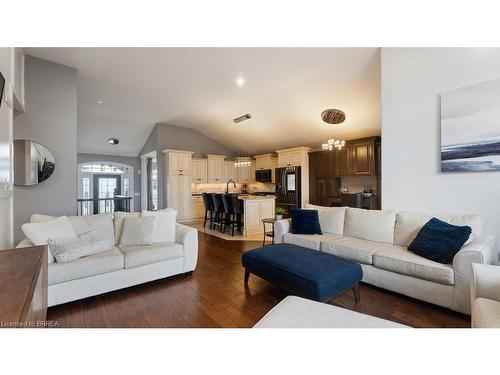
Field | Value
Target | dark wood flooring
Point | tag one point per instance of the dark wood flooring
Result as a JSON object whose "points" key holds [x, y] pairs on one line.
{"points": [[214, 296]]}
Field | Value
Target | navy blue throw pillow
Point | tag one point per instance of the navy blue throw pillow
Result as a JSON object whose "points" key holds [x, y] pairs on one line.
{"points": [[440, 241], [305, 221]]}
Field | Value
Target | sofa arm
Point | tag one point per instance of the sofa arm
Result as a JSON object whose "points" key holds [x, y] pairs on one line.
{"points": [[485, 282], [280, 228], [188, 237], [480, 250]]}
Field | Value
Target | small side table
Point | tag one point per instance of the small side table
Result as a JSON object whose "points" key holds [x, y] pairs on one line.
{"points": [[271, 221]]}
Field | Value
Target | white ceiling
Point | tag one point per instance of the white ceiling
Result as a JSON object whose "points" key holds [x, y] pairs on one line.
{"points": [[286, 89]]}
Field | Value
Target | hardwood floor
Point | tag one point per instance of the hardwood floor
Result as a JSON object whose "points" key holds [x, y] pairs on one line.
{"points": [[214, 296]]}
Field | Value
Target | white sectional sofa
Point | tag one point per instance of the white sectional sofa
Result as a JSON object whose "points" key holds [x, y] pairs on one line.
{"points": [[378, 240], [119, 267]]}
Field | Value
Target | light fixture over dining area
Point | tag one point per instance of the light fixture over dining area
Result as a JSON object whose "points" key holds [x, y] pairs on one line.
{"points": [[334, 117]]}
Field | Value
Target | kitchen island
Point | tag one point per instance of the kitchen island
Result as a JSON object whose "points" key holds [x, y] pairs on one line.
{"points": [[256, 208]]}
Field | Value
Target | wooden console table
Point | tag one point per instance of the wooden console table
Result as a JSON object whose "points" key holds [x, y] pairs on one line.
{"points": [[23, 287]]}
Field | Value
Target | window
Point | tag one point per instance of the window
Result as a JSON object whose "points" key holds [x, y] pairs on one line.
{"points": [[107, 188], [102, 168], [126, 187], [154, 183], [86, 195]]}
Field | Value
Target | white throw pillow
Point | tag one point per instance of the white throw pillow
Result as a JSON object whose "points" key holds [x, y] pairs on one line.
{"points": [[68, 249], [102, 223], [119, 218], [39, 233], [164, 225], [137, 231], [331, 219]]}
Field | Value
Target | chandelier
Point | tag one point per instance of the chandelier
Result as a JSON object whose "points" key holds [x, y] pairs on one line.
{"points": [[239, 164], [333, 143], [334, 117]]}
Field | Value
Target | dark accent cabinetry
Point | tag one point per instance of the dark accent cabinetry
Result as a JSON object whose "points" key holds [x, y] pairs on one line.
{"points": [[323, 178], [359, 157]]}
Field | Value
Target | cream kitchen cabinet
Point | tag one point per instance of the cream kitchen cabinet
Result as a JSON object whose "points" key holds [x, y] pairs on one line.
{"points": [[254, 210], [179, 195], [230, 171], [291, 158], [274, 165], [199, 171], [215, 169], [178, 182], [246, 174], [179, 162], [197, 207], [264, 161]]}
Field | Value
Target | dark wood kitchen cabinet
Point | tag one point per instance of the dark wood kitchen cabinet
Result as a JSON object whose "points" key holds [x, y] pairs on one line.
{"points": [[323, 179], [360, 157]]}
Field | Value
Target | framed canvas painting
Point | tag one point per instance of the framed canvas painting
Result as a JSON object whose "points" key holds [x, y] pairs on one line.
{"points": [[470, 128]]}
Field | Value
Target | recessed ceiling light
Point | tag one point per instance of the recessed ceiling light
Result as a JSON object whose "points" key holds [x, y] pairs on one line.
{"points": [[100, 102], [240, 81]]}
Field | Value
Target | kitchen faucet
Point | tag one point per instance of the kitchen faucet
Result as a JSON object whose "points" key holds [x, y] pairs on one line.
{"points": [[227, 184]]}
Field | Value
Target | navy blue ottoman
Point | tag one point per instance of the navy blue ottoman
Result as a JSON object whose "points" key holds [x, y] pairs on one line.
{"points": [[305, 272]]}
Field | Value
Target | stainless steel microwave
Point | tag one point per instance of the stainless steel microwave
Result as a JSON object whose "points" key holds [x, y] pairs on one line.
{"points": [[263, 175]]}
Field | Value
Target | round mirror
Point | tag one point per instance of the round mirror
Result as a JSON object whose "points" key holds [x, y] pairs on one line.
{"points": [[33, 163]]}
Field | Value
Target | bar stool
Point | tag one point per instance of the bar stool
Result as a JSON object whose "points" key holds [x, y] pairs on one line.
{"points": [[231, 210], [236, 211], [209, 209], [219, 211]]}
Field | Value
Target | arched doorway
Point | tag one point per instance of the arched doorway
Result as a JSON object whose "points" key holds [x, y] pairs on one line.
{"points": [[99, 182]]}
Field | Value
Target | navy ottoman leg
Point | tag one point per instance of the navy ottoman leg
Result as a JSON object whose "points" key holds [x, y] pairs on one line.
{"points": [[247, 275], [355, 290]]}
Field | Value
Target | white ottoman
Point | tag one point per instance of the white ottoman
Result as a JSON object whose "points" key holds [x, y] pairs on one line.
{"points": [[296, 312]]}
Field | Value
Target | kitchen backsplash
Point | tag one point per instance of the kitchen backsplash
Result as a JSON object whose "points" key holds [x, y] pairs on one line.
{"points": [[356, 184], [220, 188]]}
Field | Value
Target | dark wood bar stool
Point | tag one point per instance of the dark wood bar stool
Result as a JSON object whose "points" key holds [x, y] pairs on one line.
{"points": [[219, 211], [209, 209]]}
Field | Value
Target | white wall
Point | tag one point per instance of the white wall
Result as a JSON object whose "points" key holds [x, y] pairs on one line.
{"points": [[412, 80], [13, 79]]}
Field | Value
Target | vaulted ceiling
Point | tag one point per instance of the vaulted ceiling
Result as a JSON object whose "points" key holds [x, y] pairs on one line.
{"points": [[285, 91]]}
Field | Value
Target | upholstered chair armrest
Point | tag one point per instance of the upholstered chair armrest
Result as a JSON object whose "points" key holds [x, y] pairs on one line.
{"points": [[24, 243], [479, 250], [280, 228], [485, 282], [188, 237]]}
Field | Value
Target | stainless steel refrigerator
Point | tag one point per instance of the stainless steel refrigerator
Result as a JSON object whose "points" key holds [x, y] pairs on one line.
{"points": [[288, 189]]}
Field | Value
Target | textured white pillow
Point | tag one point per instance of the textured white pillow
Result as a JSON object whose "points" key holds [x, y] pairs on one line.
{"points": [[164, 225], [119, 218], [39, 233], [331, 219], [68, 249], [137, 231]]}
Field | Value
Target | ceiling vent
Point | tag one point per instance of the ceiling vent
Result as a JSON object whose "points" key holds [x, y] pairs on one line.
{"points": [[237, 120]]}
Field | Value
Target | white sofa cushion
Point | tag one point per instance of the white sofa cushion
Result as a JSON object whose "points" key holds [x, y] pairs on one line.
{"points": [[408, 224], [39, 233], [137, 231], [118, 223], [371, 225], [307, 240], [352, 248], [136, 256], [107, 261], [485, 313], [164, 225], [102, 223], [331, 219], [398, 259]]}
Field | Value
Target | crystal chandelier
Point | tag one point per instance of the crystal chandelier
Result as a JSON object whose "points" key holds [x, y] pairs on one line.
{"points": [[333, 143], [239, 164], [334, 117]]}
